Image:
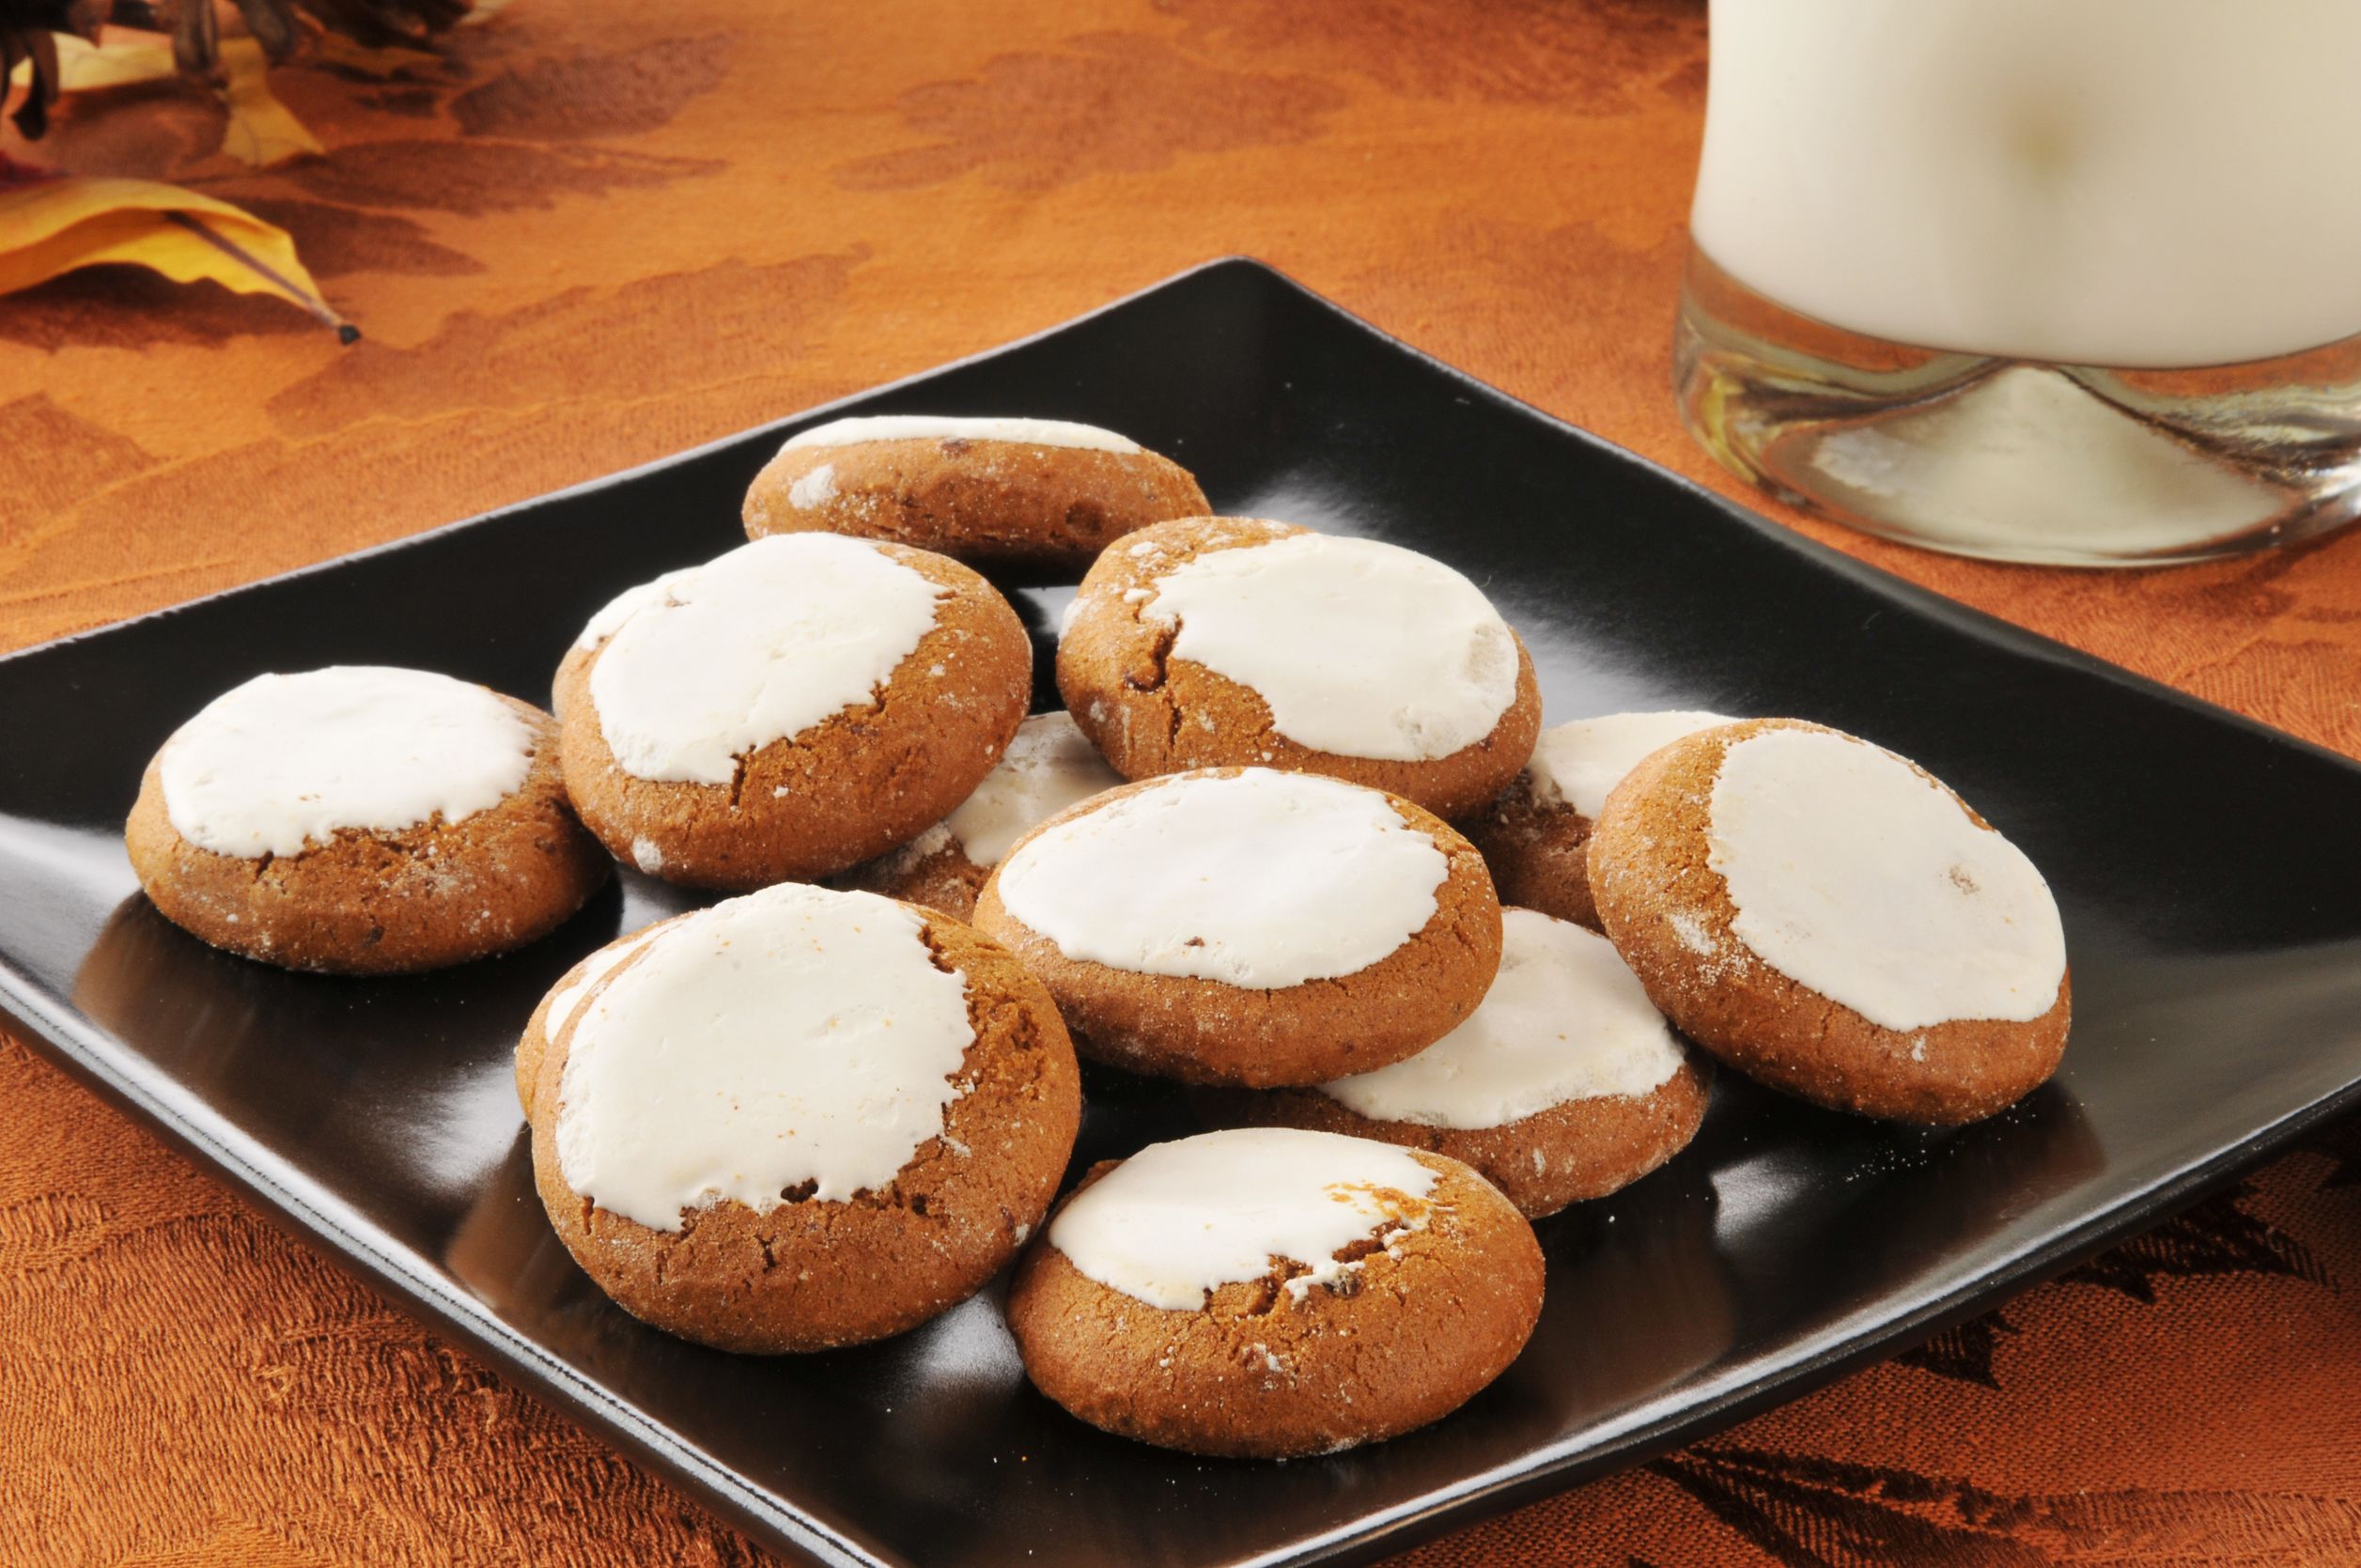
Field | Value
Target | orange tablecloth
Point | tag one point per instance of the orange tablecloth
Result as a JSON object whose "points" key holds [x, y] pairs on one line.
{"points": [[606, 233]]}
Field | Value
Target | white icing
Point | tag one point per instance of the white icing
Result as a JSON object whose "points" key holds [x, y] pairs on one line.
{"points": [[285, 762], [753, 646], [1179, 1219], [1262, 879], [627, 604], [792, 1035], [815, 489], [1361, 648], [1565, 1020], [917, 851], [1581, 762], [1859, 878], [592, 970], [1048, 766], [917, 426]]}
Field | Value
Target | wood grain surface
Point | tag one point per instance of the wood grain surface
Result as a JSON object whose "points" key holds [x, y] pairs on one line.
{"points": [[596, 235]]}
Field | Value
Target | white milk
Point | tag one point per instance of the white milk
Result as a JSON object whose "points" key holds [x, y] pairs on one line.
{"points": [[2119, 183]]}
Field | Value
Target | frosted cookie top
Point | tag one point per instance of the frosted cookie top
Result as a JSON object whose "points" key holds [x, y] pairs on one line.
{"points": [[1359, 648], [594, 969], [705, 665], [920, 426], [1581, 763], [1564, 1020], [1179, 1219], [1261, 880], [794, 1035], [612, 614], [1048, 765], [287, 762], [1860, 878]]}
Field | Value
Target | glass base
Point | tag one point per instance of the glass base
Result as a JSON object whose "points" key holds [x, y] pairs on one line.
{"points": [[2015, 459]]}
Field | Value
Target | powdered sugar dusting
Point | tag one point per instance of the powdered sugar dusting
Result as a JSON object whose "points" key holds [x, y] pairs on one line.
{"points": [[815, 489]]}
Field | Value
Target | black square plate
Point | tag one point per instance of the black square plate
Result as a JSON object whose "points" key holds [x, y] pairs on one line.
{"points": [[2209, 871]]}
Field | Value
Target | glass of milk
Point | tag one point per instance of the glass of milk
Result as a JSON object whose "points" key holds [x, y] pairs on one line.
{"points": [[2072, 281]]}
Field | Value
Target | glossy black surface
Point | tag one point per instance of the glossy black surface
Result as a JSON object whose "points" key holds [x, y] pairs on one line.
{"points": [[2209, 869]]}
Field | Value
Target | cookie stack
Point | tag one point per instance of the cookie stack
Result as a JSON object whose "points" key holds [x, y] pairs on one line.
{"points": [[828, 1108]]}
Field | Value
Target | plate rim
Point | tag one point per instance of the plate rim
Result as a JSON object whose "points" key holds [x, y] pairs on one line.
{"points": [[363, 1249], [2024, 639]]}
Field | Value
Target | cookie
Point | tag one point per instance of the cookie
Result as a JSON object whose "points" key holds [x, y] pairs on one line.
{"points": [[1536, 837], [1248, 926], [1217, 642], [1566, 1084], [791, 709], [1031, 497], [803, 1119], [362, 819], [1829, 919], [1269, 1293], [1048, 766]]}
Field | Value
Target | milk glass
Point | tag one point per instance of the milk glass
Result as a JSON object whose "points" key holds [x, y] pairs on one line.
{"points": [[2073, 281]]}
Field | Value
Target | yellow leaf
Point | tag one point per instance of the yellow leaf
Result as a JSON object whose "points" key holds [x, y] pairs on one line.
{"points": [[123, 59], [119, 60], [50, 226], [261, 131]]}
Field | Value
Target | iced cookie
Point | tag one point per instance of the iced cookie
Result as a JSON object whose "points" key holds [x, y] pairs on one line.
{"points": [[1536, 837], [803, 1119], [1033, 496], [1048, 766], [1248, 926], [362, 819], [1829, 919], [1230, 641], [1268, 1292], [1565, 1084], [789, 710]]}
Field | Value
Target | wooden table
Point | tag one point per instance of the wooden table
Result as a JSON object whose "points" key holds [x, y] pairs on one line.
{"points": [[607, 233]]}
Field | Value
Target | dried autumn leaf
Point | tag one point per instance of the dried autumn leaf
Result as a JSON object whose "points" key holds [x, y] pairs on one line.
{"points": [[30, 31], [120, 60], [51, 224], [261, 130]]}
